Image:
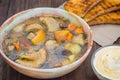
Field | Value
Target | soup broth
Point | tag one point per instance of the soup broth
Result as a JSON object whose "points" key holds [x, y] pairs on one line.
{"points": [[45, 42]]}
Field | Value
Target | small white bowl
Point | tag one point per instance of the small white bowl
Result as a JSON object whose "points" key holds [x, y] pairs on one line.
{"points": [[99, 52], [44, 73]]}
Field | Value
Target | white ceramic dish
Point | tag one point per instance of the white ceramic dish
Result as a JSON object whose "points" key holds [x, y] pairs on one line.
{"points": [[105, 62]]}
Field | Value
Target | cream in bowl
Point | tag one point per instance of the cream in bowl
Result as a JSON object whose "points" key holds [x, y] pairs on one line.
{"points": [[45, 42], [106, 63]]}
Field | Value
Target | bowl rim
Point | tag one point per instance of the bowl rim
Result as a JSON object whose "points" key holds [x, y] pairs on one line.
{"points": [[51, 69], [93, 58]]}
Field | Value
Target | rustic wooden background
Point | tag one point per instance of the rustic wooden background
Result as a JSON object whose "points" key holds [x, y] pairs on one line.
{"points": [[11, 7]]}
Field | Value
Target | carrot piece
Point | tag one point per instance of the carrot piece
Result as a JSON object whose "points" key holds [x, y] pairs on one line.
{"points": [[61, 35], [69, 36], [72, 26], [16, 45], [78, 30]]}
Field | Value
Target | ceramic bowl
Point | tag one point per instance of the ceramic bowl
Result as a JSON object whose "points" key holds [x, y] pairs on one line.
{"points": [[100, 51], [44, 73]]}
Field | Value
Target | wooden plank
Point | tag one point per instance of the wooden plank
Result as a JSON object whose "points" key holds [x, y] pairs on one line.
{"points": [[4, 5], [11, 7], [57, 3], [20, 5]]}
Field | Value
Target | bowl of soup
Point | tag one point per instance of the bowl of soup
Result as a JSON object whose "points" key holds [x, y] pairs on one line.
{"points": [[45, 42]]}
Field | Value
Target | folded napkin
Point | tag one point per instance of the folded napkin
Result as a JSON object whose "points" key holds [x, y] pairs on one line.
{"points": [[104, 34]]}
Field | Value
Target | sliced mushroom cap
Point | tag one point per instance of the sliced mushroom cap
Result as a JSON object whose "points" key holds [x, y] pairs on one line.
{"points": [[33, 27], [30, 36], [43, 56], [33, 59], [51, 44], [19, 28], [51, 24]]}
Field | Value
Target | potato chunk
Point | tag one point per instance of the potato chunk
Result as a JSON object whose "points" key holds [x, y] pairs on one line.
{"points": [[78, 39], [74, 48], [51, 44], [10, 48], [66, 62], [72, 58], [51, 24]]}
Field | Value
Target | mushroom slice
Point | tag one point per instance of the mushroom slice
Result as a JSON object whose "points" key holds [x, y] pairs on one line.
{"points": [[30, 36], [29, 56], [33, 59], [49, 43], [33, 27], [19, 28], [51, 24], [43, 56]]}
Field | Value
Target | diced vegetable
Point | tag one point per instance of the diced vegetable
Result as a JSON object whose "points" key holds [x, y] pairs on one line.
{"points": [[10, 48], [30, 36], [74, 48], [61, 35], [72, 58], [78, 30], [66, 62], [43, 55], [33, 27], [51, 44], [39, 37], [78, 39], [7, 41], [69, 36], [19, 28], [16, 45], [72, 26], [51, 23], [57, 65]]}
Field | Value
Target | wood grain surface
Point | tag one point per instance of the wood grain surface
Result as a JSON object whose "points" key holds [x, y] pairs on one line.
{"points": [[11, 7]]}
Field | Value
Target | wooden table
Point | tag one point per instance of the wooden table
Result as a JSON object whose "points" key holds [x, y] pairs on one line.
{"points": [[11, 7]]}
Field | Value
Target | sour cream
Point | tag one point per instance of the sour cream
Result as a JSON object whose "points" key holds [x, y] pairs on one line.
{"points": [[106, 62]]}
